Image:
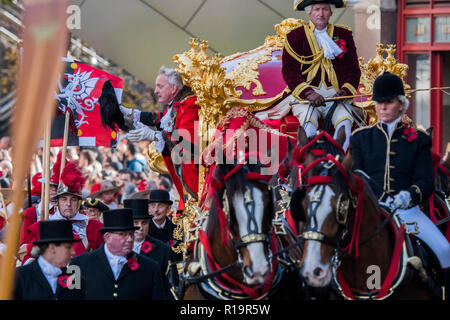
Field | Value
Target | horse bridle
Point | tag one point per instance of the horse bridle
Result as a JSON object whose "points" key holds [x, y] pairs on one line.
{"points": [[253, 235], [341, 213]]}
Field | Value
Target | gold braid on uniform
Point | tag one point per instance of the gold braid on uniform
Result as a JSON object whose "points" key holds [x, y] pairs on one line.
{"points": [[315, 61]]}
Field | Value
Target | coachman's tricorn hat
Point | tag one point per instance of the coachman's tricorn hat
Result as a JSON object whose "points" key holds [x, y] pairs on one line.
{"points": [[139, 207], [386, 87], [95, 203], [118, 220], [300, 5], [51, 231]]}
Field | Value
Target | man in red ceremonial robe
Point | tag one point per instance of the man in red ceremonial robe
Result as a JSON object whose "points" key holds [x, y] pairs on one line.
{"points": [[175, 129], [319, 61], [68, 199]]}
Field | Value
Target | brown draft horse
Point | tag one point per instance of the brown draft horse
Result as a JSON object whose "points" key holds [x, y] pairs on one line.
{"points": [[347, 239], [232, 258]]}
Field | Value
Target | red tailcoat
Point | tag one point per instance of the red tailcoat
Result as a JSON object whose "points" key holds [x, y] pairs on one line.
{"points": [[94, 237], [185, 113], [346, 67], [186, 117], [29, 217]]}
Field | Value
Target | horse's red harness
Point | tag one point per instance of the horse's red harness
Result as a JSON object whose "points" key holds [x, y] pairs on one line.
{"points": [[252, 292], [356, 187]]}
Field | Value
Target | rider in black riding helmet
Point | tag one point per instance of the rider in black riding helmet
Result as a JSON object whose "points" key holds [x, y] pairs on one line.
{"points": [[397, 158]]}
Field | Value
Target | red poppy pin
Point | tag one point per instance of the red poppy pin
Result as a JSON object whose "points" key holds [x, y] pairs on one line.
{"points": [[410, 134], [170, 243], [341, 44], [133, 263], [146, 246], [64, 280]]}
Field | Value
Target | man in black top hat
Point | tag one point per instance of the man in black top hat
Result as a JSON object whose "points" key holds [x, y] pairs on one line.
{"points": [[161, 227], [45, 278], [114, 271], [147, 245]]}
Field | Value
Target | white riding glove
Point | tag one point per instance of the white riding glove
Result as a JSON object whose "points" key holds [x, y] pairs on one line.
{"points": [[402, 200], [348, 132], [141, 133]]}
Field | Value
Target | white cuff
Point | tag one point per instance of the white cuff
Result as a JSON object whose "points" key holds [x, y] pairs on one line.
{"points": [[136, 116], [160, 143]]}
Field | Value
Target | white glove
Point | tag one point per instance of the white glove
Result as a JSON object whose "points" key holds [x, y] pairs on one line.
{"points": [[348, 132], [126, 111], [141, 133], [132, 114], [402, 200]]}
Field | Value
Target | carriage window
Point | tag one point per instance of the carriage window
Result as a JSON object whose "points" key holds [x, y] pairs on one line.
{"points": [[442, 29], [418, 30], [419, 78]]}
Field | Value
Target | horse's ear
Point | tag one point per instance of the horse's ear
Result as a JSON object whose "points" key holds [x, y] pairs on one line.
{"points": [[290, 147], [218, 177], [302, 139], [347, 163], [341, 136], [296, 208], [430, 131]]}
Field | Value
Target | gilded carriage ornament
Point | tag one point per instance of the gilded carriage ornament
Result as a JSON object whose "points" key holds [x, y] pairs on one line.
{"points": [[155, 159], [375, 67], [206, 77]]}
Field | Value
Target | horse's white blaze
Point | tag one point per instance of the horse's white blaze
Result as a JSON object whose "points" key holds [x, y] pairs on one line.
{"points": [[256, 250], [312, 254]]}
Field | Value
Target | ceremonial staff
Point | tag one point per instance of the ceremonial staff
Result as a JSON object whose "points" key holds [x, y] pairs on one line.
{"points": [[46, 168], [44, 43], [367, 95]]}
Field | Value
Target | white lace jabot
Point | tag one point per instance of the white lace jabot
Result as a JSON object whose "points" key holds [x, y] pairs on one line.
{"points": [[330, 49]]}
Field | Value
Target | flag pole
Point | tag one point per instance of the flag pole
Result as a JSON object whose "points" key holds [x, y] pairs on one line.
{"points": [[44, 164], [4, 212], [29, 188], [46, 195], [66, 134], [44, 43]]}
